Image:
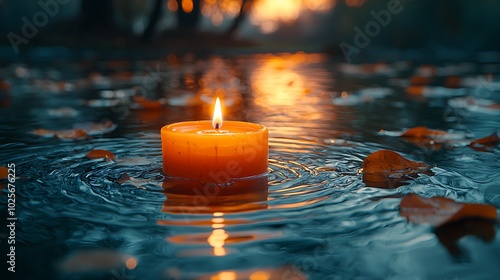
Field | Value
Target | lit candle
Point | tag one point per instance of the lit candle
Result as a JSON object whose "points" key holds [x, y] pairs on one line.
{"points": [[214, 151]]}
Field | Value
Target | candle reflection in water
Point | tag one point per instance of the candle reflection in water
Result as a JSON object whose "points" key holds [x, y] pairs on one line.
{"points": [[219, 235], [194, 201]]}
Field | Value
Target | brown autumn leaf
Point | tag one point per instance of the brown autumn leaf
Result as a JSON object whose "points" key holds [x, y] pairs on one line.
{"points": [[388, 169], [453, 82], [438, 211], [420, 80], [430, 139], [415, 90], [94, 154], [423, 132], [4, 172], [80, 131], [486, 144], [148, 104], [74, 134]]}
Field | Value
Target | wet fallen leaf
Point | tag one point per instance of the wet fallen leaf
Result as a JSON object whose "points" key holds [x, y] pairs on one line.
{"points": [[415, 90], [4, 172], [75, 134], [4, 94], [453, 82], [420, 80], [388, 169], [426, 70], [486, 144], [123, 178], [450, 234], [423, 132], [81, 131], [4, 85], [94, 154], [438, 211], [432, 139], [92, 128], [148, 104]]}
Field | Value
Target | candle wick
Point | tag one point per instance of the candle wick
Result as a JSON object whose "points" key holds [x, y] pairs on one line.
{"points": [[217, 126]]}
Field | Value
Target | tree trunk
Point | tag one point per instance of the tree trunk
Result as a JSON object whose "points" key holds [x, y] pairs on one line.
{"points": [[153, 20]]}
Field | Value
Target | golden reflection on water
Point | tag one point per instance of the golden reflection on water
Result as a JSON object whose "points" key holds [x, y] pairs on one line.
{"points": [[276, 273], [292, 92]]}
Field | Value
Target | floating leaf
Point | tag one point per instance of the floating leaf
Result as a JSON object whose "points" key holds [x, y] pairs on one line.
{"points": [[433, 139], [81, 131], [75, 134], [415, 90], [420, 80], [423, 132], [453, 82], [123, 178], [94, 154], [387, 169], [438, 211], [148, 104], [92, 128], [486, 144], [4, 172]]}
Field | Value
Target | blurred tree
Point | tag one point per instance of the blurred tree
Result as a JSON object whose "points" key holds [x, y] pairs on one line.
{"points": [[189, 15], [96, 15], [154, 17]]}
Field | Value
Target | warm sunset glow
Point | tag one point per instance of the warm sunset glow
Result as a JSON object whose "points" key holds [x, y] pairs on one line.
{"points": [[217, 116], [187, 6], [268, 13]]}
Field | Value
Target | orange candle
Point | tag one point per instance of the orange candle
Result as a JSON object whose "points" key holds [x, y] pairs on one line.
{"points": [[214, 151]]}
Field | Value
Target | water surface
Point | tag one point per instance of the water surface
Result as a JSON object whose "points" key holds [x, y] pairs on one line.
{"points": [[81, 218]]}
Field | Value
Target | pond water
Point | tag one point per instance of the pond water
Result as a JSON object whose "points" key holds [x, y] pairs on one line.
{"points": [[311, 217]]}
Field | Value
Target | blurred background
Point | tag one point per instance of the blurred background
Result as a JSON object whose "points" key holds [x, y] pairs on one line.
{"points": [[432, 25], [86, 77]]}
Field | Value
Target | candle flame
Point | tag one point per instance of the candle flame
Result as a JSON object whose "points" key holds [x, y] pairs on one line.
{"points": [[217, 118]]}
